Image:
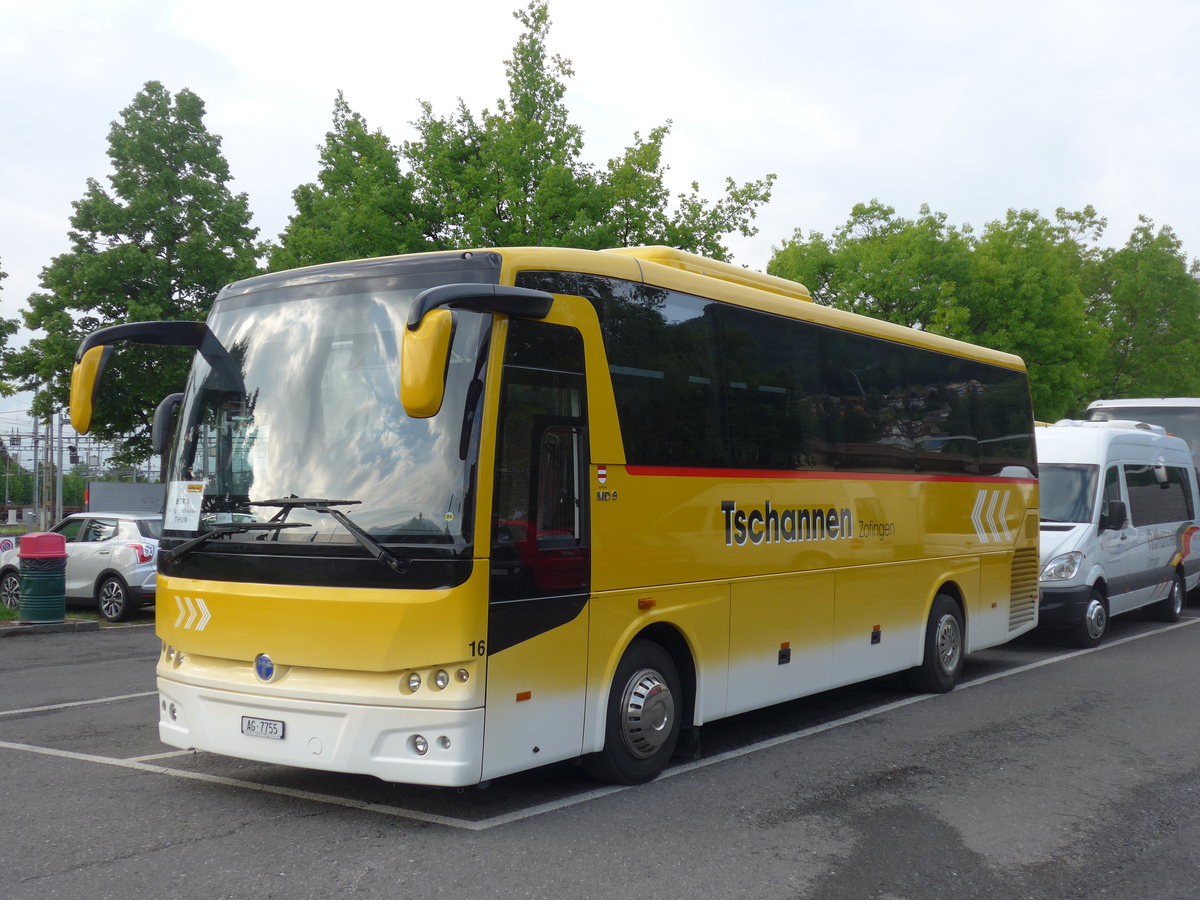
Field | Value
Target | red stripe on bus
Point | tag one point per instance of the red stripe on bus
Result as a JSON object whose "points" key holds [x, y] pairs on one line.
{"points": [[673, 472]]}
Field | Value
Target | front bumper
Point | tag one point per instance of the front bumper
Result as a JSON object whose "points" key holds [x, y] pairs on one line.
{"points": [[1063, 607], [331, 736]]}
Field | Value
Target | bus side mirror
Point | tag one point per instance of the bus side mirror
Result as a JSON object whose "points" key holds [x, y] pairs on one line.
{"points": [[1114, 519], [85, 382], [164, 423], [424, 356]]}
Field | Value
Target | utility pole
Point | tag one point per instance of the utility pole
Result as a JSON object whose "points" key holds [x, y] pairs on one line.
{"points": [[37, 482], [58, 475]]}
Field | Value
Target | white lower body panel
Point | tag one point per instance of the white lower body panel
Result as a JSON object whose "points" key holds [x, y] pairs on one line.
{"points": [[333, 737]]}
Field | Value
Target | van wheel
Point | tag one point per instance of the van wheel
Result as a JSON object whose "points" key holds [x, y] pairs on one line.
{"points": [[1091, 630], [944, 649], [642, 722], [1169, 610]]}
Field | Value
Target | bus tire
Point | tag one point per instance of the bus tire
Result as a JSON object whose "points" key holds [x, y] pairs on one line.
{"points": [[641, 725], [945, 649], [1091, 630], [1170, 608]]}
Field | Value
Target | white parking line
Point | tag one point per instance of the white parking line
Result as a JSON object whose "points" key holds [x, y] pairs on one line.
{"points": [[37, 709], [139, 763]]}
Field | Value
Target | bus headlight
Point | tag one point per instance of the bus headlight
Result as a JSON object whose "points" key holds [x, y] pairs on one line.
{"points": [[1063, 568], [414, 681], [441, 678]]}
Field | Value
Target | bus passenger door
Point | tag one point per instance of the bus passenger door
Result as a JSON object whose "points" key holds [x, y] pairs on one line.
{"points": [[540, 554]]}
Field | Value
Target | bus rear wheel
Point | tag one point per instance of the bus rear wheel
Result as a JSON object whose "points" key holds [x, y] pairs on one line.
{"points": [[642, 720], [944, 649]]}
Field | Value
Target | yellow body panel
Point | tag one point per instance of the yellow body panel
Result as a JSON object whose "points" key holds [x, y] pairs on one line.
{"points": [[360, 630]]}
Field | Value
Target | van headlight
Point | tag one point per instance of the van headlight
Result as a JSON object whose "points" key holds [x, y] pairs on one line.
{"points": [[1063, 568]]}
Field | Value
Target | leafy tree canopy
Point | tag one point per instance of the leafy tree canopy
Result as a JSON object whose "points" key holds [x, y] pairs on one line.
{"points": [[158, 243], [1088, 321], [362, 205], [511, 176]]}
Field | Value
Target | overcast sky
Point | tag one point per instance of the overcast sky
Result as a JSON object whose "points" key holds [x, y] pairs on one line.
{"points": [[971, 107]]}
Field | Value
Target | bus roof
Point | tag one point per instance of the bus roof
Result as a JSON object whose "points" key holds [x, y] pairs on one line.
{"points": [[662, 267]]}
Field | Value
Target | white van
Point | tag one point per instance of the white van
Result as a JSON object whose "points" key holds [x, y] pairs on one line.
{"points": [[1118, 507]]}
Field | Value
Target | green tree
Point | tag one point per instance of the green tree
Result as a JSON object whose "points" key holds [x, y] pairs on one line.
{"points": [[158, 244], [1024, 295], [362, 204], [877, 264], [1147, 306], [8, 327], [516, 176], [1018, 287]]}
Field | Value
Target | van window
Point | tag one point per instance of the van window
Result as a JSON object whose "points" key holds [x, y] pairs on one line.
{"points": [[1158, 494], [1112, 489]]}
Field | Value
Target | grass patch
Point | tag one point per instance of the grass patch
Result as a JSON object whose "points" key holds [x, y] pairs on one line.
{"points": [[6, 614]]}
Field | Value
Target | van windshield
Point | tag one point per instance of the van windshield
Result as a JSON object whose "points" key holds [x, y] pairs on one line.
{"points": [[1067, 492]]}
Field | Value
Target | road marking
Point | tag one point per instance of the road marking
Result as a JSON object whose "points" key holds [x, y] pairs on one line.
{"points": [[138, 764], [56, 706]]}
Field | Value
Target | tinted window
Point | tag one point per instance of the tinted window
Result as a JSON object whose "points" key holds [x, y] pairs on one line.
{"points": [[69, 529], [705, 384], [1158, 494], [151, 528]]}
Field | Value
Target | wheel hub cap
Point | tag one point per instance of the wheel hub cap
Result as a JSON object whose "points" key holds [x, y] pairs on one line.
{"points": [[647, 713]]}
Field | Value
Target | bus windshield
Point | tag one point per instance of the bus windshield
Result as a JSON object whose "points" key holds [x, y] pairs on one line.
{"points": [[317, 415], [1068, 492]]}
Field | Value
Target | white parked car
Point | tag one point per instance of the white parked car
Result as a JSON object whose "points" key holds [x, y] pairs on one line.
{"points": [[111, 562]]}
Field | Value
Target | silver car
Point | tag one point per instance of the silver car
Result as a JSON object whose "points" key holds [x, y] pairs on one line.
{"points": [[111, 562]]}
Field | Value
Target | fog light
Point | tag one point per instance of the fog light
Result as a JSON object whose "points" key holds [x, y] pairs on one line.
{"points": [[414, 681], [462, 674], [420, 745], [441, 678], [173, 712], [170, 653], [444, 742]]}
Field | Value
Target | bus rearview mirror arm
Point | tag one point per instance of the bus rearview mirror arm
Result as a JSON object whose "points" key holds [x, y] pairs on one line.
{"points": [[95, 350], [425, 355]]}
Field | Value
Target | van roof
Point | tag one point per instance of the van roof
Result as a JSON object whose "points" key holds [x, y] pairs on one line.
{"points": [[1073, 440]]}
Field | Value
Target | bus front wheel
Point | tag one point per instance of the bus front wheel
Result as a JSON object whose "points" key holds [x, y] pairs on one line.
{"points": [[642, 721], [944, 649]]}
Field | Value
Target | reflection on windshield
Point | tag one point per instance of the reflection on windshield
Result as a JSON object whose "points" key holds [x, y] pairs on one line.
{"points": [[1067, 492], [321, 417]]}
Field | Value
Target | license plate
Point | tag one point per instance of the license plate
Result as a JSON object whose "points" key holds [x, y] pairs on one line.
{"points": [[264, 728]]}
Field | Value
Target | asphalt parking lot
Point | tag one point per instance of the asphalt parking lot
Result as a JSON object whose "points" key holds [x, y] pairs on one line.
{"points": [[1004, 787]]}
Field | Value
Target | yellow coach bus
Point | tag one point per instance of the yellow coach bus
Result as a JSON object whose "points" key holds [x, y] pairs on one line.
{"points": [[444, 517]]}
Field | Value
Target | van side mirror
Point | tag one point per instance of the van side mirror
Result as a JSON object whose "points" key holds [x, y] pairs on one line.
{"points": [[1114, 519], [164, 423]]}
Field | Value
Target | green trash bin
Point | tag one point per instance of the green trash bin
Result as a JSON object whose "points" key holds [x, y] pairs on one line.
{"points": [[43, 578]]}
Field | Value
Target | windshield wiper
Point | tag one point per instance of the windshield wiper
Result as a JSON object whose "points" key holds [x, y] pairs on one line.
{"points": [[224, 530], [398, 563]]}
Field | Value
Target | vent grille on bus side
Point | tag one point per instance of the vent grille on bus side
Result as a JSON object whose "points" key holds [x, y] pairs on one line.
{"points": [[1022, 607]]}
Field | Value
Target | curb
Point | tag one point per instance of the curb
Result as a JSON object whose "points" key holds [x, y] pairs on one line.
{"points": [[12, 629]]}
